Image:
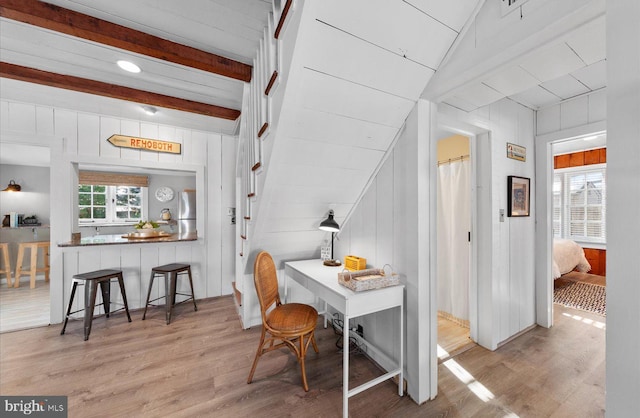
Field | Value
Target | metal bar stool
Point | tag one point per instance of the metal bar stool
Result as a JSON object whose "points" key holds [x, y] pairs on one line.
{"points": [[91, 281], [4, 247], [34, 247], [170, 273]]}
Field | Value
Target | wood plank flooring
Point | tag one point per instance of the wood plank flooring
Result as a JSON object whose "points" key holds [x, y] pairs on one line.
{"points": [[23, 307], [198, 365]]}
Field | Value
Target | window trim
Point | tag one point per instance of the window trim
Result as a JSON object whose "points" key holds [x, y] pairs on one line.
{"points": [[111, 219], [564, 215]]}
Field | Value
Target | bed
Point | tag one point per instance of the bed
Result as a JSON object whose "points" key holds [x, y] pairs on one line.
{"points": [[568, 256]]}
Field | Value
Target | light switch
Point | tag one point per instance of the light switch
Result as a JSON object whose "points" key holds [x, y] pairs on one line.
{"points": [[501, 215]]}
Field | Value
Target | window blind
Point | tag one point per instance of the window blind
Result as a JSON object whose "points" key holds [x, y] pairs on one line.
{"points": [[579, 205], [112, 179]]}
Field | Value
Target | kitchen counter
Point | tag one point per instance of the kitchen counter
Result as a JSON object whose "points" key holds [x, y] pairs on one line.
{"points": [[119, 239]]}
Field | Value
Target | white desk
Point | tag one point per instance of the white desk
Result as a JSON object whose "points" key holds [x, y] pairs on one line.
{"points": [[322, 281]]}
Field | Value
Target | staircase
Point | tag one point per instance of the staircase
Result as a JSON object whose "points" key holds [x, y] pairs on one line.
{"points": [[333, 84]]}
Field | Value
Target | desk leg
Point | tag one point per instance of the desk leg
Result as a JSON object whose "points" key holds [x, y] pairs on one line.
{"points": [[345, 367], [286, 286], [401, 376]]}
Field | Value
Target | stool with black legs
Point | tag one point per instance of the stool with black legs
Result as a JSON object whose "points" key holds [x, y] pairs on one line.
{"points": [[170, 273], [91, 281]]}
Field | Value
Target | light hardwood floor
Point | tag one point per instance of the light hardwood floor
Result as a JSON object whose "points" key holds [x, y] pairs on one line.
{"points": [[23, 307], [198, 365]]}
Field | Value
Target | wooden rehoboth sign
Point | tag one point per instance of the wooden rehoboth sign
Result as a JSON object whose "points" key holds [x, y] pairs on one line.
{"points": [[146, 144]]}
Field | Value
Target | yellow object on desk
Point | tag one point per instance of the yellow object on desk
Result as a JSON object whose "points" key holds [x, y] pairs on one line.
{"points": [[353, 263]]}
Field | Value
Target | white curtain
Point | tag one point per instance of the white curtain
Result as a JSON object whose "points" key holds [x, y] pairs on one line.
{"points": [[454, 224]]}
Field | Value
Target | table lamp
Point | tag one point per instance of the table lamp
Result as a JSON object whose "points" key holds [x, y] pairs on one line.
{"points": [[330, 225]]}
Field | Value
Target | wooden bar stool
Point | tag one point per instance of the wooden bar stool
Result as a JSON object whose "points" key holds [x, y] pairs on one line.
{"points": [[170, 273], [91, 281], [34, 247], [4, 247]]}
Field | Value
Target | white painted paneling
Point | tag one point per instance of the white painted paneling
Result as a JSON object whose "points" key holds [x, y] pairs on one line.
{"points": [[167, 133], [552, 62], [130, 128], [388, 226], [548, 120], [598, 106], [574, 112], [150, 131], [535, 97], [4, 113], [589, 42], [88, 135], [44, 121], [479, 95], [66, 125], [130, 265], [331, 129], [453, 14], [623, 200], [22, 117], [354, 59], [327, 94], [593, 76], [227, 229], [565, 87], [227, 28], [511, 80], [108, 127], [214, 217], [403, 35]]}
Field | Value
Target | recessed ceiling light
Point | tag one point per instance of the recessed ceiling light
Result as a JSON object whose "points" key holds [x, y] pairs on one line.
{"points": [[590, 138], [149, 110], [128, 66]]}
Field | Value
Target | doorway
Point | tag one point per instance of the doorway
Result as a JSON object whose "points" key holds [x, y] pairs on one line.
{"points": [[453, 244], [28, 165]]}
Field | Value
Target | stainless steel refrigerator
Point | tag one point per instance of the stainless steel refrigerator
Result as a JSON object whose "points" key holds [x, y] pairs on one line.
{"points": [[187, 212]]}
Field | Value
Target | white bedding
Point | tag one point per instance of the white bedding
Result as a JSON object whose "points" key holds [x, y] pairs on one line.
{"points": [[568, 255]]}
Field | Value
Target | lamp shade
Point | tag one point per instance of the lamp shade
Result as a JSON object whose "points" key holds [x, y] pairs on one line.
{"points": [[330, 224], [12, 187]]}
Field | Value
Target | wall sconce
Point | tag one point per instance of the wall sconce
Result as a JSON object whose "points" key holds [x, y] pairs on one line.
{"points": [[330, 225], [12, 187]]}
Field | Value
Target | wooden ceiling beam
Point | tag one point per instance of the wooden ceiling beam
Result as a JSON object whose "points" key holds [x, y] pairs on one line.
{"points": [[77, 24], [32, 75]]}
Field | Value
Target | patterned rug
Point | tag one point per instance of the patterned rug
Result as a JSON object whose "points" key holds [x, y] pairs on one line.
{"points": [[583, 296]]}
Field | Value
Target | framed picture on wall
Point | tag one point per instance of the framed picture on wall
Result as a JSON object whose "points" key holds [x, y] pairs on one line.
{"points": [[518, 196]]}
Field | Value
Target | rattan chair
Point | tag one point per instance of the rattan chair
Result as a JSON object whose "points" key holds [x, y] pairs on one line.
{"points": [[286, 324]]}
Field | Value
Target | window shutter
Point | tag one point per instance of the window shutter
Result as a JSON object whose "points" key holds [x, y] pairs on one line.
{"points": [[112, 179]]}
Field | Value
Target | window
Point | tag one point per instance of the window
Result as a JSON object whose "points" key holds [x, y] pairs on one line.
{"points": [[579, 204], [103, 204]]}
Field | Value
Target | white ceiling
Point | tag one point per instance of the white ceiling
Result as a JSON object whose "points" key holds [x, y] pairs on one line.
{"points": [[569, 67], [230, 28]]}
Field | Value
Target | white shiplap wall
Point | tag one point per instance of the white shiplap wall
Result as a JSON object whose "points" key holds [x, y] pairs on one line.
{"points": [[395, 223], [81, 137], [580, 116]]}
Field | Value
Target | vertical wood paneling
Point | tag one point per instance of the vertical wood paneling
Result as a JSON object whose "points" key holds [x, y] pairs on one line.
{"points": [[227, 230], [22, 118], [44, 121], [4, 113], [66, 126], [130, 265], [213, 286], [149, 259], [88, 135], [183, 136], [108, 127], [150, 131], [130, 128], [167, 133]]}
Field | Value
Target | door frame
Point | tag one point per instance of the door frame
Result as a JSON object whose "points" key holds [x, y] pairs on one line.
{"points": [[544, 215], [471, 132]]}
